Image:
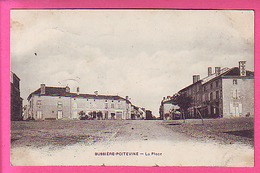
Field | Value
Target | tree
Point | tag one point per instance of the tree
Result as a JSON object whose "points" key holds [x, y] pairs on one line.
{"points": [[82, 115], [90, 114], [99, 115], [183, 101]]}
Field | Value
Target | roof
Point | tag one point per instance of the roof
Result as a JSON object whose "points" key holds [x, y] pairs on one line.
{"points": [[61, 91], [168, 101], [190, 85], [13, 75], [225, 72], [233, 72], [236, 72]]}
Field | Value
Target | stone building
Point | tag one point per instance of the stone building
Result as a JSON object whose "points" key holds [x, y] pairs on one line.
{"points": [[228, 92], [59, 103], [16, 100], [137, 113], [167, 108], [148, 115]]}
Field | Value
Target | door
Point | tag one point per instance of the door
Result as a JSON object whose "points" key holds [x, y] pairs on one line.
{"points": [[106, 115], [235, 109], [39, 115], [119, 115], [60, 115]]}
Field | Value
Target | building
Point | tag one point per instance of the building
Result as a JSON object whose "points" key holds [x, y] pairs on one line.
{"points": [[168, 108], [148, 115], [25, 113], [48, 103], [16, 100], [137, 113], [229, 92]]}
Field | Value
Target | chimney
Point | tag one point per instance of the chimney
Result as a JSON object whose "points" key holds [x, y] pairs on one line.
{"points": [[209, 71], [96, 93], [242, 68], [126, 97], [217, 70], [67, 89], [196, 78], [163, 98], [42, 88], [77, 90]]}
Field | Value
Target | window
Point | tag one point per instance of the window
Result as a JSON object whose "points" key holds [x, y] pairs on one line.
{"points": [[211, 96], [216, 83], [39, 103], [206, 97], [106, 105], [211, 86], [235, 94], [74, 105], [234, 81], [205, 89], [112, 105], [217, 94], [59, 104]]}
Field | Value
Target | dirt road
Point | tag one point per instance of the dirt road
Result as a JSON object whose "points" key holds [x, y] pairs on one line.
{"points": [[136, 143]]}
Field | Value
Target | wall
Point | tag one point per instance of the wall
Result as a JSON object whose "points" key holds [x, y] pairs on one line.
{"points": [[49, 106], [16, 100], [88, 105], [238, 99], [214, 103], [71, 107]]}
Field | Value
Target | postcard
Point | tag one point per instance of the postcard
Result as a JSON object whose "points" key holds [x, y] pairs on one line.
{"points": [[132, 87]]}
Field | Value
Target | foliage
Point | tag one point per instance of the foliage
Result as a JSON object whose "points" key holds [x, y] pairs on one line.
{"points": [[183, 101], [82, 115], [99, 115]]}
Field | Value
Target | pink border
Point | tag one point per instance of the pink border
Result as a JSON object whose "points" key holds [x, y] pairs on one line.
{"points": [[6, 5]]}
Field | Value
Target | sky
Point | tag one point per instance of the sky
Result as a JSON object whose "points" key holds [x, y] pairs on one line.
{"points": [[143, 54]]}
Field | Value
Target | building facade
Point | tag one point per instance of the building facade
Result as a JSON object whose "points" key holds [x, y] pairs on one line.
{"points": [[16, 100], [59, 103], [228, 92], [137, 113], [168, 108]]}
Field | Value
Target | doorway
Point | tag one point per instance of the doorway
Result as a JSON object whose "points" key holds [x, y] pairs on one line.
{"points": [[39, 115], [60, 116]]}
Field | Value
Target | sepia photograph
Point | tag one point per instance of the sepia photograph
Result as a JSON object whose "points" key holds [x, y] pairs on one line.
{"points": [[132, 87]]}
